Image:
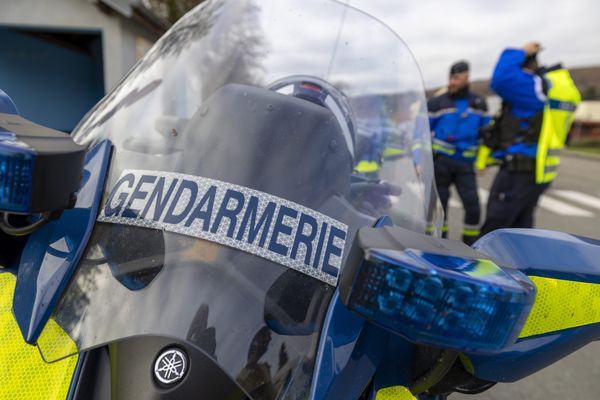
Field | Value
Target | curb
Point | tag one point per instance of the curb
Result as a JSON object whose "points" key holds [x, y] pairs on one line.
{"points": [[581, 155]]}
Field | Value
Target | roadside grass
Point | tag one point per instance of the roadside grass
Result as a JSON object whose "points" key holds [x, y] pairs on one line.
{"points": [[588, 148]]}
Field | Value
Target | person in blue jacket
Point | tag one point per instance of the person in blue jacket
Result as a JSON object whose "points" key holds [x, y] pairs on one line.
{"points": [[456, 118], [538, 106]]}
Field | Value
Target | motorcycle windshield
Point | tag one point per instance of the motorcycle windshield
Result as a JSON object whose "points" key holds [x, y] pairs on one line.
{"points": [[250, 144]]}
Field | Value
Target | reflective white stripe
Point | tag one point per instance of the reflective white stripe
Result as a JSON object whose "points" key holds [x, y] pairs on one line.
{"points": [[375, 127], [468, 227], [478, 112], [453, 110], [553, 152], [444, 144], [539, 89], [442, 112]]}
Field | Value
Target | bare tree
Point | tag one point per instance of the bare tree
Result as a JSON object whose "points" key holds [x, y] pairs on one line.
{"points": [[170, 10]]}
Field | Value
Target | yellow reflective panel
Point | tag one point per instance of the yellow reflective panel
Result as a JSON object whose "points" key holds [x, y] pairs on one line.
{"points": [[23, 372], [561, 304], [484, 268], [367, 166], [442, 149], [484, 155], [467, 363], [395, 393], [392, 152], [471, 232], [55, 342]]}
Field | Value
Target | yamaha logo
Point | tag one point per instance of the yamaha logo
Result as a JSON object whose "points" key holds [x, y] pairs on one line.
{"points": [[170, 366]]}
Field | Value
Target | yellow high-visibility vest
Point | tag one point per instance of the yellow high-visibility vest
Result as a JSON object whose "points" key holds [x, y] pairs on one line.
{"points": [[559, 112]]}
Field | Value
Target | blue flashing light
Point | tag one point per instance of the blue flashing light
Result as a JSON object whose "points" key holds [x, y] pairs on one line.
{"points": [[443, 301], [16, 177]]}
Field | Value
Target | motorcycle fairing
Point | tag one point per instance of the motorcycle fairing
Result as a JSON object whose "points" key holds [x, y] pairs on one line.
{"points": [[52, 253], [232, 305], [565, 315]]}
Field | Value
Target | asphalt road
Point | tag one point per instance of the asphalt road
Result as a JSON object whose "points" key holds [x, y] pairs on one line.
{"points": [[572, 204]]}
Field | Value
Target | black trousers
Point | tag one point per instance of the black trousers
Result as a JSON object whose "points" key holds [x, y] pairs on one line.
{"points": [[512, 202], [461, 174]]}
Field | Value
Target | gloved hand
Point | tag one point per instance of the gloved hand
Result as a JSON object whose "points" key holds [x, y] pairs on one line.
{"points": [[532, 48], [374, 196]]}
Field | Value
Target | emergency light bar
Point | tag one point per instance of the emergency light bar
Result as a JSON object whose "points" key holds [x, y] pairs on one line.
{"points": [[429, 295], [16, 177], [40, 168]]}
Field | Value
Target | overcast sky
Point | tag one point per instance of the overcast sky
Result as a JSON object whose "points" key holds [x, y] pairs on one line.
{"points": [[440, 32]]}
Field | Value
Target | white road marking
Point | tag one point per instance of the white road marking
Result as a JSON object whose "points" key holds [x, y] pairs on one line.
{"points": [[455, 199], [416, 188], [578, 197], [454, 203], [483, 195], [550, 204], [562, 208]]}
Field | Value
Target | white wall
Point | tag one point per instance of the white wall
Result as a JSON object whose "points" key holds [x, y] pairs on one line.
{"points": [[588, 111]]}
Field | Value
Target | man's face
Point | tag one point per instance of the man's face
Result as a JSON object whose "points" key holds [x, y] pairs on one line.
{"points": [[458, 81]]}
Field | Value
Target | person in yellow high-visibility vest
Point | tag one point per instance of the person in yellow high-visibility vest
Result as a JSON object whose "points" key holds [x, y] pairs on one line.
{"points": [[526, 139]]}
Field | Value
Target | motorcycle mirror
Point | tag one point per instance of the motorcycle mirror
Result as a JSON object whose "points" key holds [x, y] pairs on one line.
{"points": [[434, 291], [40, 168]]}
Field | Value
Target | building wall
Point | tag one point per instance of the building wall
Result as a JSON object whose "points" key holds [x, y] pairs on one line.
{"points": [[132, 37], [586, 128], [118, 53], [51, 68], [53, 77], [588, 111]]}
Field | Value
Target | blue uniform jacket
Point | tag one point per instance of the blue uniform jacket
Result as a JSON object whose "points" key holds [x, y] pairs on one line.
{"points": [[524, 90], [455, 123]]}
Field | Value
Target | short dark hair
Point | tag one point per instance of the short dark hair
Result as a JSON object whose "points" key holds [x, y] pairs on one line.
{"points": [[459, 66]]}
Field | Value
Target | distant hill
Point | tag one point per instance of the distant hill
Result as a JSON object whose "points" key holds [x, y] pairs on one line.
{"points": [[587, 80]]}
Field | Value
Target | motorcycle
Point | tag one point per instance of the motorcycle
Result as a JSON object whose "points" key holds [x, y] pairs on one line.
{"points": [[251, 214]]}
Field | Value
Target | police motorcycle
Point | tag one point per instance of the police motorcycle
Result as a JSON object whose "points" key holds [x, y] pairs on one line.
{"points": [[218, 227]]}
